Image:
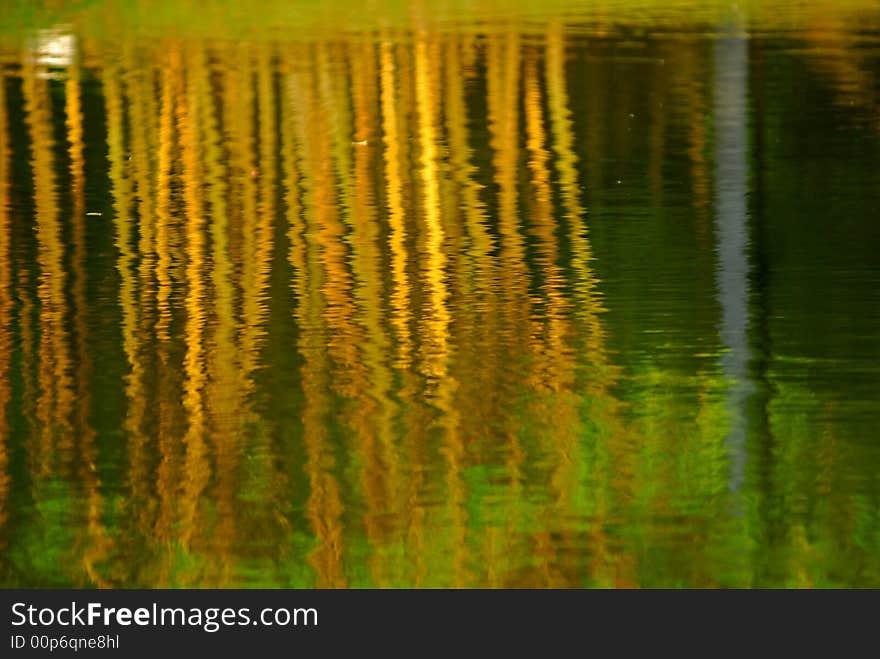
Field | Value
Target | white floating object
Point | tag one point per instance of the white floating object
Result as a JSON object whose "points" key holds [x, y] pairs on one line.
{"points": [[54, 48]]}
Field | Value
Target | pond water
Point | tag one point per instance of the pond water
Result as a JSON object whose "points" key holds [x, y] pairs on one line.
{"points": [[589, 299]]}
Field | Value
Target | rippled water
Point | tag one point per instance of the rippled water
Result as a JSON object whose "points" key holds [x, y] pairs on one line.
{"points": [[556, 301]]}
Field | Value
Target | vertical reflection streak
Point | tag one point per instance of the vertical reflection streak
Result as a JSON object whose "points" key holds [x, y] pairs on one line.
{"points": [[397, 95], [135, 396], [163, 192], [54, 364], [139, 101], [197, 467], [459, 408], [336, 233], [377, 411], [591, 338], [731, 188], [555, 368], [426, 56], [259, 217], [396, 216], [97, 543], [480, 317], [224, 390], [438, 351], [503, 67], [292, 181], [308, 251], [168, 262]]}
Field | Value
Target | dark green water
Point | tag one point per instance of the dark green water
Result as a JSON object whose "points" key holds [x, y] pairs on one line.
{"points": [[514, 304]]}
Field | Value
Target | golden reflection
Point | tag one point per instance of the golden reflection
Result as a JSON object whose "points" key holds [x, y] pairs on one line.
{"points": [[54, 404], [373, 418], [378, 265], [97, 543], [312, 250], [394, 195], [195, 441], [588, 307], [554, 365], [257, 172], [161, 362], [475, 276], [139, 475], [224, 392], [503, 82], [427, 94], [168, 72], [361, 337]]}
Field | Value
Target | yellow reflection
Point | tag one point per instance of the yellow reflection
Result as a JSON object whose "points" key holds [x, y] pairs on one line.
{"points": [[374, 413], [427, 95], [475, 277], [452, 418], [169, 71], [97, 542], [580, 467], [54, 370], [196, 464], [226, 382], [503, 63], [311, 249], [257, 172], [396, 216], [139, 475], [553, 372]]}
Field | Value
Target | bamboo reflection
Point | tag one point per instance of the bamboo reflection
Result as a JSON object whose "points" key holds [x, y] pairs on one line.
{"points": [[373, 418], [503, 64], [338, 246], [168, 72], [224, 391], [457, 416], [436, 344], [314, 295], [140, 97], [52, 449], [588, 310], [476, 272], [167, 371], [55, 398], [554, 368], [398, 95], [220, 229], [249, 128], [196, 465], [394, 195], [96, 541], [426, 56], [399, 300], [136, 398], [346, 75], [258, 211]]}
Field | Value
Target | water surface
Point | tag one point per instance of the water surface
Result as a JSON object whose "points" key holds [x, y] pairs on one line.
{"points": [[574, 299]]}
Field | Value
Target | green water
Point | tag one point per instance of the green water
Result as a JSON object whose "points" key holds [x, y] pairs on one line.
{"points": [[572, 299]]}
